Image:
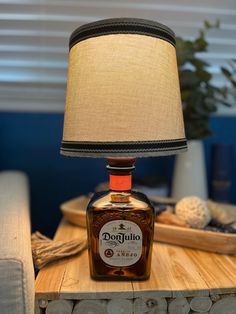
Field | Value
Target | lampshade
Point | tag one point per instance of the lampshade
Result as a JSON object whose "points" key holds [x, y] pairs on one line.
{"points": [[123, 96]]}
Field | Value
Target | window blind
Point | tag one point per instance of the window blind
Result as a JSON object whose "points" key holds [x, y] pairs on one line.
{"points": [[34, 39]]}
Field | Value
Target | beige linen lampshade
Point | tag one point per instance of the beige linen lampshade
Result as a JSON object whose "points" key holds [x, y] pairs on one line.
{"points": [[123, 96]]}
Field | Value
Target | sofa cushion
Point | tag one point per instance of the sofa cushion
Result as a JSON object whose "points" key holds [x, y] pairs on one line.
{"points": [[16, 266]]}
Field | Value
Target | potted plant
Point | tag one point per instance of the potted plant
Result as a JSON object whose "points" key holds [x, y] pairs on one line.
{"points": [[200, 99]]}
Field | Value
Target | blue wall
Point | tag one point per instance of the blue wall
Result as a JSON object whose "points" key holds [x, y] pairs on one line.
{"points": [[31, 142]]}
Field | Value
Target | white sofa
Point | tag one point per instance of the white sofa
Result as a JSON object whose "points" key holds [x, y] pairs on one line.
{"points": [[16, 266]]}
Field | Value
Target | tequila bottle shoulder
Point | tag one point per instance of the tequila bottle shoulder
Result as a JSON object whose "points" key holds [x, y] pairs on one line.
{"points": [[124, 200]]}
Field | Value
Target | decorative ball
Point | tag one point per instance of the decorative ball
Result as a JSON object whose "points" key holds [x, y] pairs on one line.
{"points": [[193, 211]]}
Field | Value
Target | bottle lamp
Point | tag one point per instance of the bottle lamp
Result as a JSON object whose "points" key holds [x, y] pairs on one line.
{"points": [[123, 101]]}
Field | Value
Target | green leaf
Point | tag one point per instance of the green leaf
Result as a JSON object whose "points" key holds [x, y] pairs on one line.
{"points": [[203, 75], [225, 103], [185, 94], [208, 25], [188, 78], [200, 44], [233, 82], [198, 63], [226, 72]]}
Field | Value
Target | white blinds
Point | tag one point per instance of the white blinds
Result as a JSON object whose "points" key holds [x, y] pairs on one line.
{"points": [[34, 41]]}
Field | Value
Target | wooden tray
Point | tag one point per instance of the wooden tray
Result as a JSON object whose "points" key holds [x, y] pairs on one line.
{"points": [[75, 212]]}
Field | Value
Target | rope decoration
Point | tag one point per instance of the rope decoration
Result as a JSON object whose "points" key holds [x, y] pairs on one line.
{"points": [[45, 250]]}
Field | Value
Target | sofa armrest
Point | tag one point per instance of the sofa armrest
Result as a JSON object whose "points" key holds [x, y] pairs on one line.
{"points": [[16, 265]]}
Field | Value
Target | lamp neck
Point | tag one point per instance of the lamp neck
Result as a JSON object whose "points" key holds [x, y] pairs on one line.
{"points": [[120, 170]]}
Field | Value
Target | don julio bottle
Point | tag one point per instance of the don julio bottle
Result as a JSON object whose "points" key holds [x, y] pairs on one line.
{"points": [[120, 226]]}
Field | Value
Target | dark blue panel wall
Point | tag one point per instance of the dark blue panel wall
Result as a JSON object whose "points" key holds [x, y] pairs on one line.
{"points": [[224, 132], [31, 143]]}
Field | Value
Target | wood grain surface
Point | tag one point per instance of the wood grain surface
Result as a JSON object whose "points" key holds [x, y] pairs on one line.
{"points": [[176, 271]]}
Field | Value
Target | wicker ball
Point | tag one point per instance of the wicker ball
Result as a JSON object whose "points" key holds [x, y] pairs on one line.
{"points": [[193, 211]]}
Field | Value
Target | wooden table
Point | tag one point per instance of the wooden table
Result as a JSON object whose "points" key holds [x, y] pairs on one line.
{"points": [[182, 281]]}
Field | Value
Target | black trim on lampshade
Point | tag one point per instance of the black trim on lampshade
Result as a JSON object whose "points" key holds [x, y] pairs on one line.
{"points": [[122, 25], [135, 149]]}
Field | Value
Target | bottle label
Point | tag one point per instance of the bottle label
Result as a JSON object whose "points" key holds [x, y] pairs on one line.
{"points": [[120, 183], [120, 243]]}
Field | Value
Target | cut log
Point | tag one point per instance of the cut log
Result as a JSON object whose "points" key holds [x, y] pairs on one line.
{"points": [[90, 307], [215, 297], [179, 306], [43, 303], [120, 306], [226, 305], [150, 306], [201, 304], [37, 309], [59, 307]]}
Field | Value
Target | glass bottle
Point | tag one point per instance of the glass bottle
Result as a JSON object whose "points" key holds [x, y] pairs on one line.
{"points": [[120, 224]]}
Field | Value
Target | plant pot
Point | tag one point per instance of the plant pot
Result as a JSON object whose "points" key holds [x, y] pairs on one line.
{"points": [[189, 177]]}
